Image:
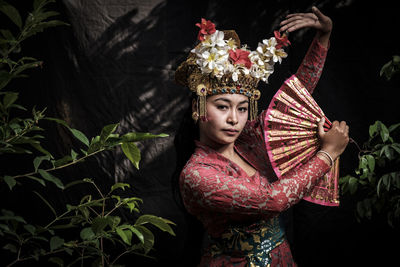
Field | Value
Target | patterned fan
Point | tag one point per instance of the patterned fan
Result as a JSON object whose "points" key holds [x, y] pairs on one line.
{"points": [[291, 124]]}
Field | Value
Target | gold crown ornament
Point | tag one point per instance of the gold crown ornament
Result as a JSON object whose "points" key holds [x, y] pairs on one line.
{"points": [[220, 65]]}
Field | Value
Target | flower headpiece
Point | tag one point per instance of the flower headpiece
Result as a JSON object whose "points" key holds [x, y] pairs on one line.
{"points": [[220, 65]]}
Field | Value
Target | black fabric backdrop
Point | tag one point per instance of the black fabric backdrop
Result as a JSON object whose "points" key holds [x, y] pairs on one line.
{"points": [[116, 62]]}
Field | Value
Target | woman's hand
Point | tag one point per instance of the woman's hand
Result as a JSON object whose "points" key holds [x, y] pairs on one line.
{"points": [[316, 20], [336, 139]]}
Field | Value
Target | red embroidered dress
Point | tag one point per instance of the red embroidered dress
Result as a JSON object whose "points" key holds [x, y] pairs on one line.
{"points": [[240, 212]]}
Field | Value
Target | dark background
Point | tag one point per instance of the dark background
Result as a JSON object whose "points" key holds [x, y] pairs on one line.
{"points": [[116, 63]]}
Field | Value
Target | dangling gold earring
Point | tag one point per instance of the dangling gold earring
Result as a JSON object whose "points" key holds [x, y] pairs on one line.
{"points": [[195, 116]]}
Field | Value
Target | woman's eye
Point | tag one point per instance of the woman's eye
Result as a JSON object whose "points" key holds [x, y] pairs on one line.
{"points": [[222, 107], [243, 109]]}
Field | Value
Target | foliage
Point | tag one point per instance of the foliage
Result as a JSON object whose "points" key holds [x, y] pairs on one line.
{"points": [[377, 177], [92, 220], [391, 68]]}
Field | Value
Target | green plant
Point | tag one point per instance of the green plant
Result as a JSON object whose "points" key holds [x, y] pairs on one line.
{"points": [[88, 229], [377, 177], [391, 68], [94, 224]]}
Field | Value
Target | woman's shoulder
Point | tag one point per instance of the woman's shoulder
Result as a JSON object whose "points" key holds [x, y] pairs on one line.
{"points": [[204, 158]]}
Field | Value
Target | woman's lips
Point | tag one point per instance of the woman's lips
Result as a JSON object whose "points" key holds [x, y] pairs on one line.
{"points": [[230, 131]]}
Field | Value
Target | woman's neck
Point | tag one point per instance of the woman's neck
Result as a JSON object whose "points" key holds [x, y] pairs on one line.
{"points": [[227, 150]]}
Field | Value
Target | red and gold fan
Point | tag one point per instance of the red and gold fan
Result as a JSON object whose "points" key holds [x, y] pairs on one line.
{"points": [[291, 124]]}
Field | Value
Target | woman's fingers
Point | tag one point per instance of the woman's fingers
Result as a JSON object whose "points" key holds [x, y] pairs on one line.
{"points": [[315, 19], [321, 131], [336, 139], [298, 21], [296, 25], [318, 13], [301, 16]]}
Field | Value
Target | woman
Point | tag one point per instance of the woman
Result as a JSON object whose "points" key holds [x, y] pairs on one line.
{"points": [[228, 183]]}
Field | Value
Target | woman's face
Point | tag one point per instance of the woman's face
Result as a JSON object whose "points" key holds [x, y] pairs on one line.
{"points": [[226, 117]]}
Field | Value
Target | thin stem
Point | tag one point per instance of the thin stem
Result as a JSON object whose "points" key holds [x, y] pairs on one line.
{"points": [[60, 167], [32, 257], [56, 219], [115, 207], [20, 134]]}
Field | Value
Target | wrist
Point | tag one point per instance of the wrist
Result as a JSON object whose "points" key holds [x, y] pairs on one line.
{"points": [[325, 156], [323, 37]]}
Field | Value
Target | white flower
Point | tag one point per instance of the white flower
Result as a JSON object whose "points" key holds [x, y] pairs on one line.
{"points": [[278, 54], [215, 39], [212, 60]]}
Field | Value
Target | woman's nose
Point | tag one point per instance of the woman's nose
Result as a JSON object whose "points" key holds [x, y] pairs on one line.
{"points": [[232, 118]]}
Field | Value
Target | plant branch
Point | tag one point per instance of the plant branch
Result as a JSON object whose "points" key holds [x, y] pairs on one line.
{"points": [[62, 166]]}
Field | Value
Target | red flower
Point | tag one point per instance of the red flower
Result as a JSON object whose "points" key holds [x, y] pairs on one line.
{"points": [[282, 40], [206, 28], [240, 57]]}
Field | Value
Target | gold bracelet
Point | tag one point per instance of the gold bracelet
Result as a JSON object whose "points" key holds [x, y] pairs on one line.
{"points": [[327, 155]]}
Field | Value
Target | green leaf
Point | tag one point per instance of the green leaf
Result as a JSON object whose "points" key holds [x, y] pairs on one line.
{"points": [[384, 132], [11, 12], [38, 160], [396, 179], [56, 242], [87, 233], [135, 137], [5, 78], [119, 185], [10, 247], [38, 4], [30, 228], [59, 121], [94, 145], [64, 160], [137, 233], [353, 185], [10, 181], [148, 238], [47, 203], [73, 154], [159, 222], [393, 127], [73, 183], [41, 181], [106, 131], [26, 66], [385, 151], [80, 136], [123, 235], [39, 148], [360, 209], [9, 99], [396, 147], [132, 152], [99, 223], [373, 129], [386, 181], [371, 162], [49, 177]]}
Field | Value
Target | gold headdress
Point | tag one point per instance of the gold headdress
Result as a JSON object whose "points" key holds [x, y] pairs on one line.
{"points": [[218, 66]]}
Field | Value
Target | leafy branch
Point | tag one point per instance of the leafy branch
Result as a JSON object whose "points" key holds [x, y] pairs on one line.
{"points": [[377, 177], [93, 224]]}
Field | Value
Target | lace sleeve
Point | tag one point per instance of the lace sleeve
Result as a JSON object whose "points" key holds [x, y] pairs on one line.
{"points": [[311, 67], [209, 187]]}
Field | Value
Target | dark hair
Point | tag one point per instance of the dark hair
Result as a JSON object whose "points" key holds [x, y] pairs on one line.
{"points": [[184, 143], [184, 147]]}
